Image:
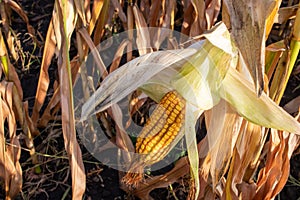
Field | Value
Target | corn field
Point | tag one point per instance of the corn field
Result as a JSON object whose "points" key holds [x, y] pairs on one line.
{"points": [[217, 79]]}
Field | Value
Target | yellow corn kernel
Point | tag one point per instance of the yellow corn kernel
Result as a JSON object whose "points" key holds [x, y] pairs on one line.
{"points": [[156, 137], [162, 127]]}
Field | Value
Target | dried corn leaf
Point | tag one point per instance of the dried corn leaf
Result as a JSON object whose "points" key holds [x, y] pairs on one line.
{"points": [[44, 81], [285, 13], [169, 15], [244, 159], [273, 176], [130, 26], [271, 17], [142, 39], [223, 125], [262, 111], [198, 25], [20, 112], [212, 11], [23, 15], [187, 18], [94, 51], [81, 11], [122, 139], [6, 19], [96, 10], [105, 15], [273, 55], [248, 29], [50, 111], [200, 16], [10, 168], [293, 105], [119, 10], [154, 12], [118, 55], [65, 21], [8, 68], [145, 8]]}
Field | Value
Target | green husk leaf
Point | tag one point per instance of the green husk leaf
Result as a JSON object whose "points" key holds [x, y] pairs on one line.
{"points": [[201, 77], [238, 92], [190, 121]]}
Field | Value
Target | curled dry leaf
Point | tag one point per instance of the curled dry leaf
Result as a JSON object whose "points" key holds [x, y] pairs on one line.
{"points": [[244, 158], [199, 25], [200, 16], [276, 171], [212, 11], [23, 15], [79, 5], [118, 55], [273, 54], [8, 68], [10, 168]]}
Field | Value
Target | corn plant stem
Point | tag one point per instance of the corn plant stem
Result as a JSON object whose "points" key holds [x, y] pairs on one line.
{"points": [[173, 192], [295, 47]]}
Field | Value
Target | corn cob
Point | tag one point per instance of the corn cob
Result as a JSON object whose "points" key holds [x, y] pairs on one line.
{"points": [[156, 137]]}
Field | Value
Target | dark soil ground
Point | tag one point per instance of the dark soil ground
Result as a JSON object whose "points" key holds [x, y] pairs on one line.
{"points": [[102, 182]]}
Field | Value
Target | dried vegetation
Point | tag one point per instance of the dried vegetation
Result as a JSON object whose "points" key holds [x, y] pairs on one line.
{"points": [[244, 154]]}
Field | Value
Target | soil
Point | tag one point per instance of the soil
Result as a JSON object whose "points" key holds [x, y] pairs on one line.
{"points": [[102, 182]]}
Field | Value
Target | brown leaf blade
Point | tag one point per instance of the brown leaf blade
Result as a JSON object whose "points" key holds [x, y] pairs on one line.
{"points": [[142, 40], [275, 174], [248, 29], [223, 129], [66, 21], [10, 168], [43, 84]]}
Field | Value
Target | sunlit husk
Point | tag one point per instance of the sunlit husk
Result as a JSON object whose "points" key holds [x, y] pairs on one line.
{"points": [[262, 111]]}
